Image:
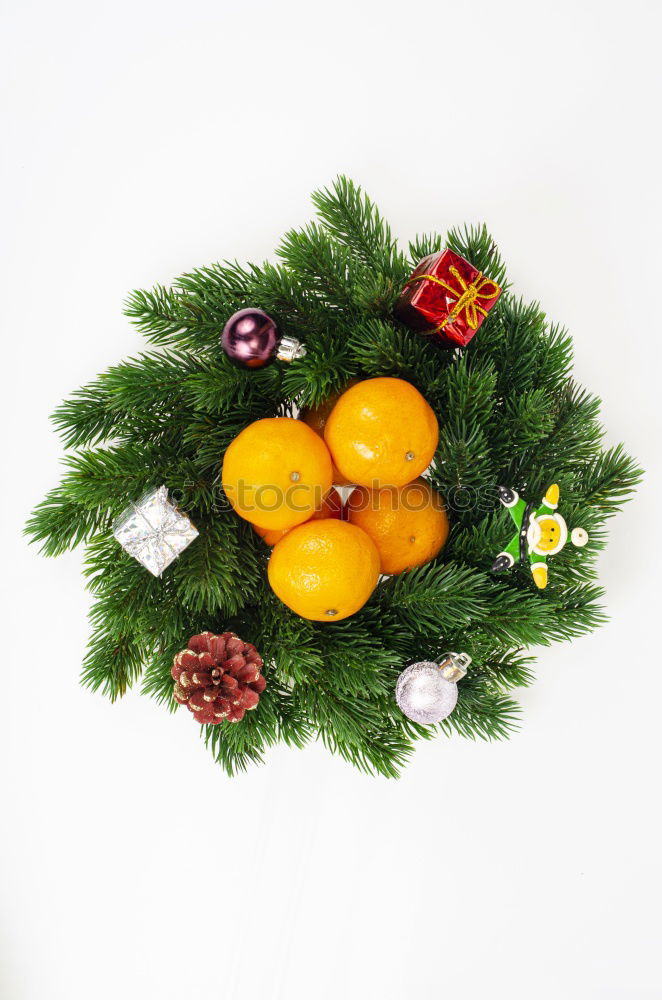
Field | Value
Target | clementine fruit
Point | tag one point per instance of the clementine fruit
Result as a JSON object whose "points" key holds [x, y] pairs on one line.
{"points": [[409, 525], [324, 570], [381, 432], [276, 472], [317, 416], [331, 507]]}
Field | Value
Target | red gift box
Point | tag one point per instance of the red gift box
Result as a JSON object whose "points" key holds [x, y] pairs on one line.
{"points": [[447, 296]]}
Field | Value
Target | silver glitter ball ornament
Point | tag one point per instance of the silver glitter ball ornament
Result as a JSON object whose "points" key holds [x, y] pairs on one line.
{"points": [[426, 692]]}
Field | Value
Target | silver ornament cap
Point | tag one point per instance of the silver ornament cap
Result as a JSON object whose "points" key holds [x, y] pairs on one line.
{"points": [[289, 349], [426, 692]]}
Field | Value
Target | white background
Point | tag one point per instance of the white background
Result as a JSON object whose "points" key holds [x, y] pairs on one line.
{"points": [[142, 139]]}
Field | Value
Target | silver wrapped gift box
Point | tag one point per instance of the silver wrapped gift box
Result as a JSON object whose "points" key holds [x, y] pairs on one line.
{"points": [[154, 531]]}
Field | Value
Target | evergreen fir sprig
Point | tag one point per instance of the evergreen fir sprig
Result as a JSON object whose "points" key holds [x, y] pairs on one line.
{"points": [[351, 218], [509, 414]]}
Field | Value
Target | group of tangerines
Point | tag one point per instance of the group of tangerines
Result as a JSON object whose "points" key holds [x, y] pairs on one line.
{"points": [[279, 473]]}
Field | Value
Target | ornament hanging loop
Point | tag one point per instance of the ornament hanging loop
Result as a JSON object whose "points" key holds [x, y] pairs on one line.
{"points": [[453, 666]]}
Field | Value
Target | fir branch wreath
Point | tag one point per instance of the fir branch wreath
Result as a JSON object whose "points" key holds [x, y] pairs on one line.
{"points": [[508, 413]]}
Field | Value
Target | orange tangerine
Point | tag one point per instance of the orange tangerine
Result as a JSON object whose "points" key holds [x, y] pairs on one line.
{"points": [[324, 570], [276, 472], [331, 507], [408, 525], [317, 416], [382, 432]]}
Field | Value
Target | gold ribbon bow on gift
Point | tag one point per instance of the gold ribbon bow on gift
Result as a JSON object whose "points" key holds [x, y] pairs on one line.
{"points": [[467, 296]]}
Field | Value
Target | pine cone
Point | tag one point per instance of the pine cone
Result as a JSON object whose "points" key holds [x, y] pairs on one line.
{"points": [[218, 677]]}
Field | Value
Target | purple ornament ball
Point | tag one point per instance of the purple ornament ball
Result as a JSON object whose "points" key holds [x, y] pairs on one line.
{"points": [[250, 338]]}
